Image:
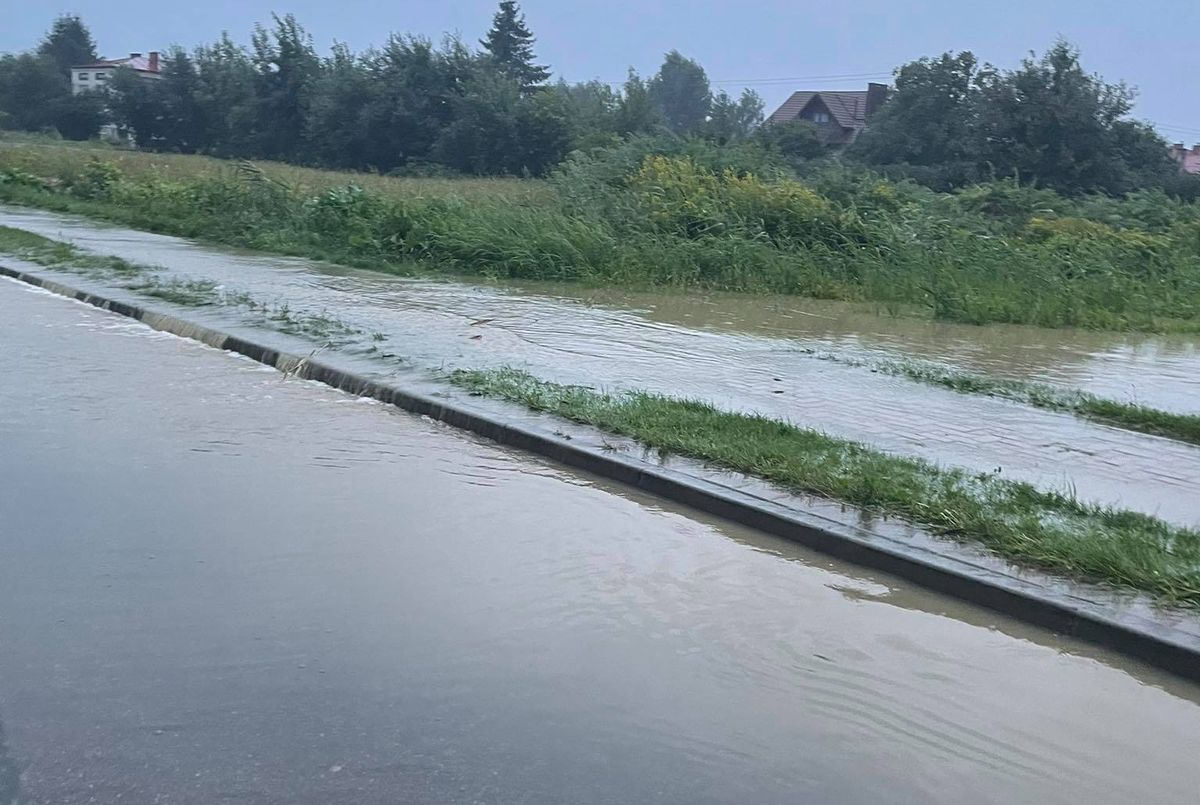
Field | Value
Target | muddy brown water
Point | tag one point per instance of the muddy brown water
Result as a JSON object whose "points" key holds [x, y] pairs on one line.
{"points": [[745, 353], [222, 586]]}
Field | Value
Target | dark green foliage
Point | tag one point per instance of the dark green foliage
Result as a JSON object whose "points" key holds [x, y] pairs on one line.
{"points": [[138, 106], [68, 43], [416, 108], [78, 117], [681, 94], [286, 67], [636, 113], [30, 88], [929, 117], [795, 140], [509, 43], [951, 122], [730, 119]]}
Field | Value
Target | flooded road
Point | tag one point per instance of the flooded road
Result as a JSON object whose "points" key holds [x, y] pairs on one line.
{"points": [[714, 348], [220, 586]]}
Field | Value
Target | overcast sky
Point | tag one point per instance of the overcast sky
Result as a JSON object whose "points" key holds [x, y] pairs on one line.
{"points": [[775, 46]]}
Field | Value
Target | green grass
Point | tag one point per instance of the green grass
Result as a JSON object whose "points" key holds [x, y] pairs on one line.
{"points": [[1049, 530], [633, 220], [147, 281], [1129, 416]]}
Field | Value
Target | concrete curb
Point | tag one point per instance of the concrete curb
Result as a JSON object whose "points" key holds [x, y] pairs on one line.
{"points": [[1055, 607]]}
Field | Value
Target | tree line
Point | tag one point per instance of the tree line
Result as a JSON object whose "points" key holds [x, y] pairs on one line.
{"points": [[415, 107], [409, 105]]}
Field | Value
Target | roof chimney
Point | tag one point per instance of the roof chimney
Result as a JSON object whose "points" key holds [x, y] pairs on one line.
{"points": [[135, 55], [877, 95], [154, 61]]}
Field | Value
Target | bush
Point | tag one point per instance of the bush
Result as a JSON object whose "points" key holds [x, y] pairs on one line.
{"points": [[995, 252]]}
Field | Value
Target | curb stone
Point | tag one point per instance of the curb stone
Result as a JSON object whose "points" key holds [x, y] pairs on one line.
{"points": [[1156, 641]]}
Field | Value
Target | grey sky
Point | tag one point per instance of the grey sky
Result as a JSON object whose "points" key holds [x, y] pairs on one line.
{"points": [[1151, 45]]}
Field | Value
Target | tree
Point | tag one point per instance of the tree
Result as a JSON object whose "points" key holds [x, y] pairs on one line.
{"points": [[929, 118], [286, 66], [337, 134], [30, 87], [681, 94], [730, 119], [137, 107], [78, 117], [635, 110], [591, 109], [184, 126], [1050, 122], [225, 98], [509, 43], [68, 43]]}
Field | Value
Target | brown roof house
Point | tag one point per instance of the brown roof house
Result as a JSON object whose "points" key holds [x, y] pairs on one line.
{"points": [[838, 116]]}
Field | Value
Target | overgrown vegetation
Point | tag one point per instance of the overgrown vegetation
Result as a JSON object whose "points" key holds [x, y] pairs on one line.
{"points": [[1050, 530], [680, 212]]}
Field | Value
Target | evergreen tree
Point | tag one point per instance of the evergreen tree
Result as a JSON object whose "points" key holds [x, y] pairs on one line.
{"points": [[68, 43], [510, 45]]}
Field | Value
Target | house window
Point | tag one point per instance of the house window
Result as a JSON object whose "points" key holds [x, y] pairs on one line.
{"points": [[820, 117], [83, 76], [101, 76]]}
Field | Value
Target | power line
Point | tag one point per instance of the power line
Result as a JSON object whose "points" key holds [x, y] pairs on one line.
{"points": [[792, 79], [795, 78], [1182, 129]]}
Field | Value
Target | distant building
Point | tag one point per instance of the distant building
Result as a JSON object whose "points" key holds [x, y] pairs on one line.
{"points": [[1189, 161], [93, 76], [839, 116]]}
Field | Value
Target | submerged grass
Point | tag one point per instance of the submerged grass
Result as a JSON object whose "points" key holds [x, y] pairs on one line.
{"points": [[1129, 416], [1050, 530], [147, 281]]}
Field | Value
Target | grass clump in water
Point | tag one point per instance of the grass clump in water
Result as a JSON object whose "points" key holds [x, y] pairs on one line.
{"points": [[1130, 416], [57, 254], [1050, 530], [148, 281]]}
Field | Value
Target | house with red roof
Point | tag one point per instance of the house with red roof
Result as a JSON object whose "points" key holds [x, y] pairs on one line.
{"points": [[838, 115], [1188, 159], [85, 77]]}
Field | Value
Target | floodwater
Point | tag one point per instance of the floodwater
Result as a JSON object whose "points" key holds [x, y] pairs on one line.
{"points": [[221, 586], [747, 354]]}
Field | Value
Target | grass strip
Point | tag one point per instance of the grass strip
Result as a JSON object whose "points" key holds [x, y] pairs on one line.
{"points": [[145, 280], [1050, 530], [1129, 416]]}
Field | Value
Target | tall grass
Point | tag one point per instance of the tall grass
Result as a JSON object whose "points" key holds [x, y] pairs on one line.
{"points": [[999, 253]]}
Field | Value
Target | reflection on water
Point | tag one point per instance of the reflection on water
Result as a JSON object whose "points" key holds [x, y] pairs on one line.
{"points": [[10, 776], [1160, 371], [741, 353], [219, 586]]}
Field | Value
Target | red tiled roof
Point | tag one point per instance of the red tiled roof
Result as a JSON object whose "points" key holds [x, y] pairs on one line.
{"points": [[139, 63]]}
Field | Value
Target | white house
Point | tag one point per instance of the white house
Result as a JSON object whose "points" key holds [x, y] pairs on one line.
{"points": [[94, 75]]}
